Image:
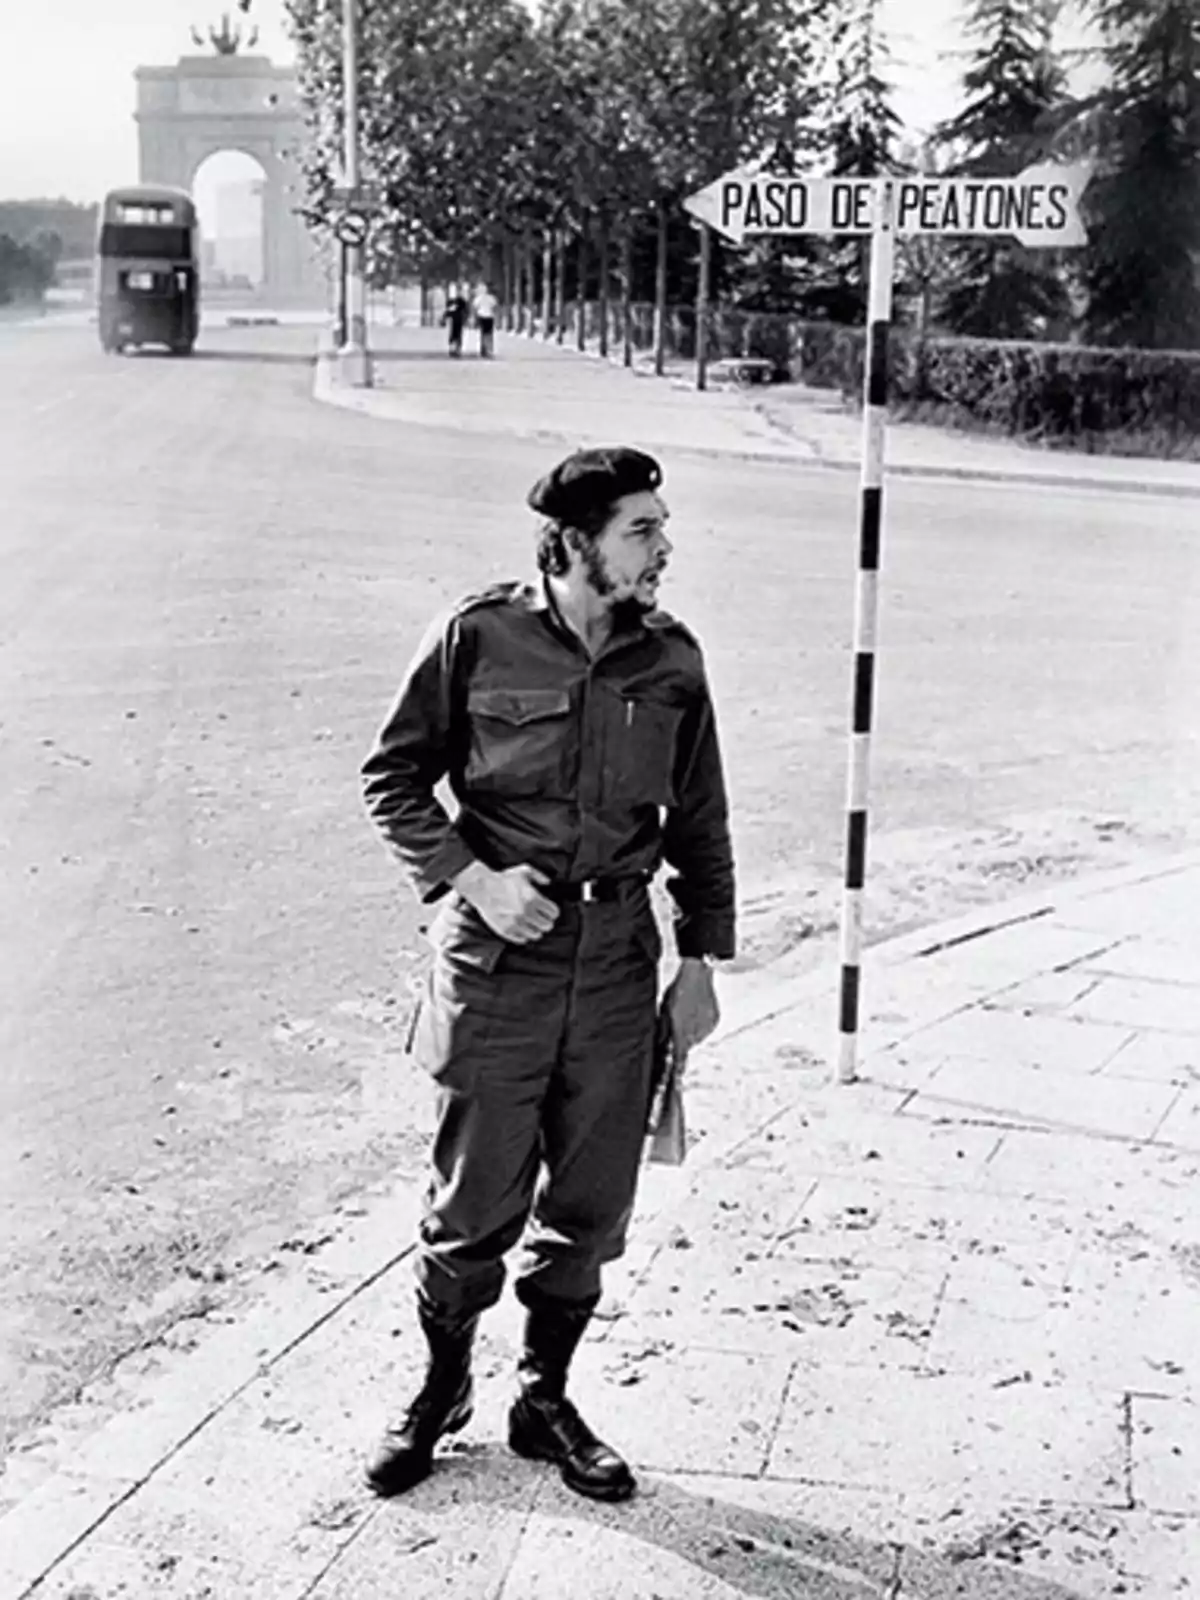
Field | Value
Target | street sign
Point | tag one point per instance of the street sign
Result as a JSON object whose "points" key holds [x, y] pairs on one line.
{"points": [[1039, 207], [365, 197], [352, 228]]}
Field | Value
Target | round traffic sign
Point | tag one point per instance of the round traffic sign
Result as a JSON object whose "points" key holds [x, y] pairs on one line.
{"points": [[352, 228]]}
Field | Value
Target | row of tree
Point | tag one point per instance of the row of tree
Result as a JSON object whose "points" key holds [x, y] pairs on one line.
{"points": [[543, 150], [35, 235], [61, 228], [26, 271]]}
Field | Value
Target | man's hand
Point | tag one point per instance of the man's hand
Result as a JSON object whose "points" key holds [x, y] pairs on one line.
{"points": [[691, 1002], [509, 901]]}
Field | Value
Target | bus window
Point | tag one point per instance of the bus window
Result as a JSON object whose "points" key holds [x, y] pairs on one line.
{"points": [[141, 239]]}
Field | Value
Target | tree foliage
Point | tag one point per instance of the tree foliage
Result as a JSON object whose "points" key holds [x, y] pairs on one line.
{"points": [[1141, 271], [1014, 85], [26, 270], [74, 226], [488, 122]]}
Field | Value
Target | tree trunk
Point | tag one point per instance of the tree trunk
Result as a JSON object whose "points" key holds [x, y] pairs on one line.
{"points": [[506, 286], [531, 286], [604, 286], [702, 306], [547, 281], [627, 295], [560, 287], [581, 288], [660, 291]]}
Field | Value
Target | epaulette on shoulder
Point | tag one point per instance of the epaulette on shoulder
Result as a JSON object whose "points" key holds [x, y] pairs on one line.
{"points": [[494, 595], [666, 623]]}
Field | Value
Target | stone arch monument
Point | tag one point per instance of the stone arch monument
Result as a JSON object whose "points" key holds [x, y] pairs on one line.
{"points": [[231, 101]]}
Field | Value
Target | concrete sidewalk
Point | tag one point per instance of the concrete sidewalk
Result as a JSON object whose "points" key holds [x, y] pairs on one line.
{"points": [[934, 1334], [543, 391]]}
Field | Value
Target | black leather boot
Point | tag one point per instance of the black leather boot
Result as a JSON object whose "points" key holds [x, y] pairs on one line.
{"points": [[543, 1425], [442, 1405]]}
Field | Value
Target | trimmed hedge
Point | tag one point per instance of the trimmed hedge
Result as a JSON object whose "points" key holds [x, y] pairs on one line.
{"points": [[1061, 393], [1052, 391]]}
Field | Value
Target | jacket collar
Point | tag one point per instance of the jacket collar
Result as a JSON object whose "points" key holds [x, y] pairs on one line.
{"points": [[542, 601]]}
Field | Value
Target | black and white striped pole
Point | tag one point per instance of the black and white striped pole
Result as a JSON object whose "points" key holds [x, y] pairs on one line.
{"points": [[866, 620], [1040, 208]]}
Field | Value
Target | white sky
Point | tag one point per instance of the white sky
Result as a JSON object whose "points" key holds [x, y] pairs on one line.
{"points": [[67, 91]]}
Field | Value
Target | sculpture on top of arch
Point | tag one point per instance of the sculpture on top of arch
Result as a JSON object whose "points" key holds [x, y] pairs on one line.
{"points": [[228, 39]]}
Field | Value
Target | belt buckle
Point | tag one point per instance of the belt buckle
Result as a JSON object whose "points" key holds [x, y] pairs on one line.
{"points": [[589, 891]]}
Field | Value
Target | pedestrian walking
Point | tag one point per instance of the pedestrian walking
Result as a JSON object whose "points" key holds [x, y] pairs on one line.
{"points": [[574, 722], [455, 315], [485, 321]]}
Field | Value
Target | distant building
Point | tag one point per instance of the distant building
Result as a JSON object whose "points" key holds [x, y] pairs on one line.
{"points": [[238, 244]]}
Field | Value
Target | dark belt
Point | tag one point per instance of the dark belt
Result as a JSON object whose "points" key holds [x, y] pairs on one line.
{"points": [[591, 890]]}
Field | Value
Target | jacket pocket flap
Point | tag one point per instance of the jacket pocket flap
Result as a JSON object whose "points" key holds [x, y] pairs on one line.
{"points": [[519, 705]]}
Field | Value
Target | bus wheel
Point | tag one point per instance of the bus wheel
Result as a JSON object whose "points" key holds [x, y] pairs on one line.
{"points": [[181, 347]]}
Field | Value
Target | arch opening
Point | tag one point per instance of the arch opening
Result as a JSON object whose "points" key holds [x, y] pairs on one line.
{"points": [[229, 187]]}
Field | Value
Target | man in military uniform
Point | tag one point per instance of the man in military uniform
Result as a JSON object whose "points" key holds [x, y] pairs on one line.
{"points": [[573, 721]]}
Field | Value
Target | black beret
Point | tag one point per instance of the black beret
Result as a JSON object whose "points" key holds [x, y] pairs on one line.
{"points": [[592, 480]]}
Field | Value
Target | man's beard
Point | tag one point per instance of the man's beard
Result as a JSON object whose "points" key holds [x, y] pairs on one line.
{"points": [[624, 613]]}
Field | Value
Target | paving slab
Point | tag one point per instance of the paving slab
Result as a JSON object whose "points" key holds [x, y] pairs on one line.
{"points": [[262, 1509], [50, 1521], [1051, 993], [1012, 1095], [1009, 954], [1143, 1003], [1181, 1125], [1112, 1324], [793, 1306], [834, 1135], [685, 1410], [864, 1218], [1163, 909], [758, 1199], [1165, 1438], [931, 1430], [903, 1068], [1137, 1178], [719, 1538], [1014, 1334], [1059, 1044], [456, 1534], [1158, 1058], [1154, 959], [1024, 1551]]}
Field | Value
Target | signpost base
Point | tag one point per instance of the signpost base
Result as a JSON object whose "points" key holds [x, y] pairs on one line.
{"points": [[353, 364]]}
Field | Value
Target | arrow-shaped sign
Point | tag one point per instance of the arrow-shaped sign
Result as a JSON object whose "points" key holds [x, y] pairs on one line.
{"points": [[1039, 207]]}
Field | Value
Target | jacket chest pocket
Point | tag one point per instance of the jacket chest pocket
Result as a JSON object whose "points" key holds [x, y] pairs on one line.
{"points": [[642, 744], [518, 740]]}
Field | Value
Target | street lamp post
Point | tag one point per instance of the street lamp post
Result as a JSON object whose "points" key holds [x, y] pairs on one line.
{"points": [[353, 355]]}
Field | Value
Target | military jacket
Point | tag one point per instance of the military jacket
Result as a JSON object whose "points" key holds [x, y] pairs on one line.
{"points": [[583, 766]]}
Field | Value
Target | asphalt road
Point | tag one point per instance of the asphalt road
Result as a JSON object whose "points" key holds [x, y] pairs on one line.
{"points": [[210, 587]]}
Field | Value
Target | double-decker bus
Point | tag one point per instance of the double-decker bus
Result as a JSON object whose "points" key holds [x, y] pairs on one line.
{"points": [[148, 268]]}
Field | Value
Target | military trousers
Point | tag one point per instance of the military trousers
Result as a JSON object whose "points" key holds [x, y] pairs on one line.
{"points": [[542, 1057]]}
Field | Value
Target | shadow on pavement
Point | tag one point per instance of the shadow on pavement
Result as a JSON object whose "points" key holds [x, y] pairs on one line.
{"points": [[381, 356], [760, 1554], [285, 358], [279, 358]]}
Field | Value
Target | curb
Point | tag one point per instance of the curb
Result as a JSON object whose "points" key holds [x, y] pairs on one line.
{"points": [[951, 932], [63, 1512], [327, 391]]}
